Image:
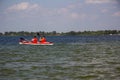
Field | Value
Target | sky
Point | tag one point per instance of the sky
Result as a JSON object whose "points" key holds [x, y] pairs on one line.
{"points": [[59, 15]]}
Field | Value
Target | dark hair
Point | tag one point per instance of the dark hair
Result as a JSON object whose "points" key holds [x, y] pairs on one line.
{"points": [[22, 38], [34, 36]]}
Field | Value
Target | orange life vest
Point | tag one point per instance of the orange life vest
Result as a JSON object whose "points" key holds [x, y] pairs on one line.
{"points": [[43, 40]]}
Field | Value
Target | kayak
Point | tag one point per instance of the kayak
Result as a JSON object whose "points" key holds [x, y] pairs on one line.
{"points": [[38, 43]]}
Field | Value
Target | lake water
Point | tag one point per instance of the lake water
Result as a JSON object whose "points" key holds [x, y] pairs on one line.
{"points": [[70, 58]]}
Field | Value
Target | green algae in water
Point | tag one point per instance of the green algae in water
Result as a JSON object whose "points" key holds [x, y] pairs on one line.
{"points": [[118, 69], [35, 67], [7, 72], [87, 77]]}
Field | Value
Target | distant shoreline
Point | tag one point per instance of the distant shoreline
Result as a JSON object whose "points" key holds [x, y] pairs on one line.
{"points": [[54, 33]]}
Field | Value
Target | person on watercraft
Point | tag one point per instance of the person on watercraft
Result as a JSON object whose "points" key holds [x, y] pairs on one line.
{"points": [[23, 40], [34, 40], [43, 39]]}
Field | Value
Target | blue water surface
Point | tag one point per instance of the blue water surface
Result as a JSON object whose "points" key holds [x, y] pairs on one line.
{"points": [[70, 58]]}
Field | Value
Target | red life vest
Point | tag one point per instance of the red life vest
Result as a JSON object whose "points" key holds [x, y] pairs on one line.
{"points": [[34, 40]]}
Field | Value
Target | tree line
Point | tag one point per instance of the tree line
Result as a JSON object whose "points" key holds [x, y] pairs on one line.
{"points": [[54, 33]]}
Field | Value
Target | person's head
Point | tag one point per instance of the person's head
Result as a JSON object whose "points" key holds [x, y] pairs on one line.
{"points": [[34, 36], [22, 38]]}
